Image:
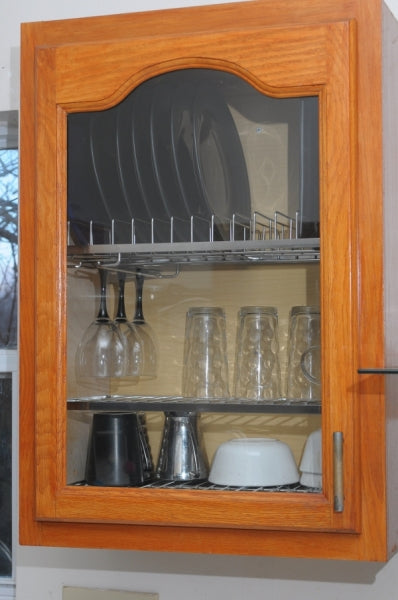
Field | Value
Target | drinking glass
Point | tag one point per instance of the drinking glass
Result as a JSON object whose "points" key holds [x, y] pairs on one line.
{"points": [[205, 368], [304, 359], [102, 351], [257, 372]]}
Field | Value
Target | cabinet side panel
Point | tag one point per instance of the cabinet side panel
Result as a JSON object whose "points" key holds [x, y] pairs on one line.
{"points": [[371, 410], [28, 529], [390, 127]]}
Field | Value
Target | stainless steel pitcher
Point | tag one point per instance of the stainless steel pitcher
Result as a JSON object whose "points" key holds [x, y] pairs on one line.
{"points": [[182, 456]]}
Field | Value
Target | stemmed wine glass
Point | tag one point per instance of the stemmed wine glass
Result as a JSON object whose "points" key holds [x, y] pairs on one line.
{"points": [[102, 350], [129, 333], [141, 338]]}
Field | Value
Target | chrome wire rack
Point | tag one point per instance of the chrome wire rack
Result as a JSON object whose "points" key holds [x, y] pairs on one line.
{"points": [[257, 227], [258, 239], [208, 486], [183, 404]]}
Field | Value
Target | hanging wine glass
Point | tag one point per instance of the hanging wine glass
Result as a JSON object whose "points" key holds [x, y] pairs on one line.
{"points": [[129, 334], [102, 351], [143, 348]]}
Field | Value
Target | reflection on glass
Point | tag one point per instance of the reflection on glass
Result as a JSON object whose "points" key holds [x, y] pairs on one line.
{"points": [[8, 247], [5, 475], [8, 321]]}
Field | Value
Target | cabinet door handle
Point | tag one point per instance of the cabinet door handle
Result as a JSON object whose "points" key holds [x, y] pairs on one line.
{"points": [[338, 475]]}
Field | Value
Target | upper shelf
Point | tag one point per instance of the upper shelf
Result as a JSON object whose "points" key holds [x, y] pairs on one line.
{"points": [[260, 239], [124, 256], [182, 404]]}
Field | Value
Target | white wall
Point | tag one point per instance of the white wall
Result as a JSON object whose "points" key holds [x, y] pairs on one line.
{"points": [[41, 573]]}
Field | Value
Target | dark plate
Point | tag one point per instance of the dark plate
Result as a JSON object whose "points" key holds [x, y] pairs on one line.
{"points": [[105, 152], [208, 159], [162, 154], [190, 200], [144, 163], [219, 162], [85, 206], [130, 174]]}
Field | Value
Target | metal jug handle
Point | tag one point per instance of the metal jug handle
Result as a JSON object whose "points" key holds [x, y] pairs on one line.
{"points": [[307, 374]]}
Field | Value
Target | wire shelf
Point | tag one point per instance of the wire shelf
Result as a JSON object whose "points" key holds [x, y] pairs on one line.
{"points": [[296, 488], [206, 485], [259, 239], [182, 404]]}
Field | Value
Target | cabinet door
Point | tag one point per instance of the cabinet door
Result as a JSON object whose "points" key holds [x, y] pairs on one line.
{"points": [[93, 67]]}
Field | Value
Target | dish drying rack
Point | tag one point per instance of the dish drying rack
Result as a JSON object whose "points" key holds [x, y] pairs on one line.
{"points": [[259, 238]]}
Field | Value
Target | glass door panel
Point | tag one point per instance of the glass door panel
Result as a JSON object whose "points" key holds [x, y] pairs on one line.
{"points": [[195, 192]]}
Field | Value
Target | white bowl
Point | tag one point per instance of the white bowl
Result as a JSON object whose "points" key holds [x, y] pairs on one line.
{"points": [[311, 461], [253, 462]]}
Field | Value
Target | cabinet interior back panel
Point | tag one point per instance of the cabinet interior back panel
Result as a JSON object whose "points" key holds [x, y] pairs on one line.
{"points": [[166, 301]]}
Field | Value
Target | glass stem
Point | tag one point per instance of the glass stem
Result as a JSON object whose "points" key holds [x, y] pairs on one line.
{"points": [[121, 309], [103, 312], [139, 284]]}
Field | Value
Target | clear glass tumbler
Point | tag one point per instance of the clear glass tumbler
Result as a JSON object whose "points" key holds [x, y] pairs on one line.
{"points": [[257, 371], [304, 353], [205, 368]]}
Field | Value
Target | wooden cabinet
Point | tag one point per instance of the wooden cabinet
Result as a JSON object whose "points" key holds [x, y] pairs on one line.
{"points": [[333, 51]]}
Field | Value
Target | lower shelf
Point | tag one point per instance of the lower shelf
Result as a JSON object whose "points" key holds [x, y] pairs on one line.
{"points": [[206, 485]]}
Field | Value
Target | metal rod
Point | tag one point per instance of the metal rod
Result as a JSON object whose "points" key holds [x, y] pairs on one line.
{"points": [[298, 224], [212, 228], [171, 229], [152, 230], [132, 231], [113, 231]]}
